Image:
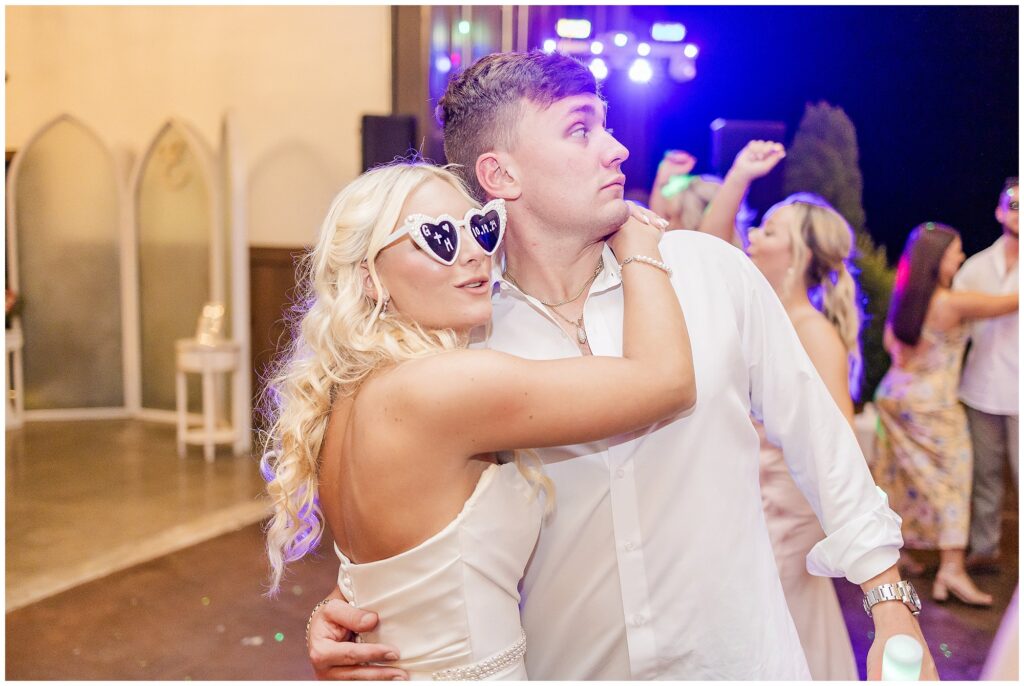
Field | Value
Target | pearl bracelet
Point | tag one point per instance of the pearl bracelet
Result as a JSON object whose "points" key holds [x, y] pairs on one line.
{"points": [[647, 260]]}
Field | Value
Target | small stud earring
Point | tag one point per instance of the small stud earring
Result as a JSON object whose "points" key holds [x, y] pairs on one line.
{"points": [[384, 310]]}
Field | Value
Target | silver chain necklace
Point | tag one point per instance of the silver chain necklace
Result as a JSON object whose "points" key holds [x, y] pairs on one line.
{"points": [[581, 331]]}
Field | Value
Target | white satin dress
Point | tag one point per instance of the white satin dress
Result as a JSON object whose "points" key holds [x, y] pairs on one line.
{"points": [[451, 604]]}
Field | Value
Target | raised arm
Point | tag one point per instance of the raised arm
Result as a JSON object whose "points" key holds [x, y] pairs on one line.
{"points": [[755, 160], [516, 403], [674, 163]]}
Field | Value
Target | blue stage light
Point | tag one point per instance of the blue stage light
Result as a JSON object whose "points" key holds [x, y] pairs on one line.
{"points": [[573, 28], [690, 50], [669, 33], [640, 71], [597, 47], [442, 64], [621, 39], [550, 45], [643, 49], [598, 68]]}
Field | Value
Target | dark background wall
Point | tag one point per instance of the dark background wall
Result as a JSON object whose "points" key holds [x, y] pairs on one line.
{"points": [[933, 92]]}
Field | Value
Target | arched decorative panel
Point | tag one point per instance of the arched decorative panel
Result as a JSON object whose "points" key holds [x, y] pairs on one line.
{"points": [[65, 220], [180, 253]]}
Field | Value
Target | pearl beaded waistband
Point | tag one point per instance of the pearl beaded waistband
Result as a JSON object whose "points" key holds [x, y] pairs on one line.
{"points": [[485, 668]]}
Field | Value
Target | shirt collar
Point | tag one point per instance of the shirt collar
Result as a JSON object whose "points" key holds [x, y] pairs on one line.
{"points": [[609, 278]]}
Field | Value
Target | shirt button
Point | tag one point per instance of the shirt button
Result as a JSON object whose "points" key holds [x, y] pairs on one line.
{"points": [[638, 620], [620, 473], [629, 545]]}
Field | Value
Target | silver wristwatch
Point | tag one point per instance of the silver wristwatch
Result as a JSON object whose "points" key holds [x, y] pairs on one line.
{"points": [[902, 591]]}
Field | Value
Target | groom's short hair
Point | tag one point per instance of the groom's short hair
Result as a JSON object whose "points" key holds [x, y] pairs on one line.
{"points": [[481, 106]]}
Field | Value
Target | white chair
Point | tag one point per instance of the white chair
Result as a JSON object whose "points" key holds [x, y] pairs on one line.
{"points": [[15, 383], [209, 360]]}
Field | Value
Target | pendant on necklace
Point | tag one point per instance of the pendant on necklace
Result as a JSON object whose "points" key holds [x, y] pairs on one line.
{"points": [[581, 334]]}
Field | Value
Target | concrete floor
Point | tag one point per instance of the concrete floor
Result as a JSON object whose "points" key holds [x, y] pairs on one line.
{"points": [[199, 612], [84, 499]]}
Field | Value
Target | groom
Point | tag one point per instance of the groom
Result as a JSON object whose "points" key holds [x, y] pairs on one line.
{"points": [[657, 563]]}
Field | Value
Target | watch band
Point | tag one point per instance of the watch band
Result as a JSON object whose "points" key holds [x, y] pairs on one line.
{"points": [[902, 591]]}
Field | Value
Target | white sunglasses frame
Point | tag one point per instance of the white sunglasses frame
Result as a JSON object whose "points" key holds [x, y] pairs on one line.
{"points": [[412, 224]]}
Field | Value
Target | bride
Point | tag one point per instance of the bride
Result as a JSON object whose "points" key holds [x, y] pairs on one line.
{"points": [[387, 428]]}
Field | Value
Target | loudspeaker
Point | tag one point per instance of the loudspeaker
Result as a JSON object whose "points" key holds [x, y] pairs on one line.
{"points": [[387, 137], [728, 136]]}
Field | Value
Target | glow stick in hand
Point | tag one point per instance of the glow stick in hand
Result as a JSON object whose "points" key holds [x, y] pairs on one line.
{"points": [[901, 659]]}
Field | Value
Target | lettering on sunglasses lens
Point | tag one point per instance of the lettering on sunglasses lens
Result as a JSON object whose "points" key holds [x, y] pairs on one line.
{"points": [[442, 243], [482, 230]]}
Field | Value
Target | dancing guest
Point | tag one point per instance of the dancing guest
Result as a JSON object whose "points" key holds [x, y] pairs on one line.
{"points": [[657, 563], [683, 198], [386, 427], [988, 387], [803, 248], [923, 449]]}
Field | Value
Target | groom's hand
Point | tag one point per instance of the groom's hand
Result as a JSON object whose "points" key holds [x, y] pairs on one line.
{"points": [[893, 618], [334, 653]]}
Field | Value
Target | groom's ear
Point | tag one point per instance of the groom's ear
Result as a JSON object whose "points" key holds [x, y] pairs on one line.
{"points": [[495, 172]]}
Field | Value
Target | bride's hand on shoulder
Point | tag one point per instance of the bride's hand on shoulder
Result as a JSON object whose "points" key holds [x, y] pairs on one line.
{"points": [[641, 230]]}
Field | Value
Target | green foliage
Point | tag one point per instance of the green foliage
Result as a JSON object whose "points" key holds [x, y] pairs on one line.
{"points": [[824, 159], [876, 280]]}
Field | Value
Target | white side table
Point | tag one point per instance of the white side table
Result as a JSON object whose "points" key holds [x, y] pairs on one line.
{"points": [[209, 361], [15, 404]]}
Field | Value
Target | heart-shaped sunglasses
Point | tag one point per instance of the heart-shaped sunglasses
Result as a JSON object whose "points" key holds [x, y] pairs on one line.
{"points": [[440, 236]]}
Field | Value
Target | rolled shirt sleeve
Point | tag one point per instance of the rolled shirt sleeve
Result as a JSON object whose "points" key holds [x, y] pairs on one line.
{"points": [[786, 393]]}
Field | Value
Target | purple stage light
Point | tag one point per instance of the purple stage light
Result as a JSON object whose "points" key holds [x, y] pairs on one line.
{"points": [[573, 28], [598, 68], [621, 39], [640, 71], [550, 45], [443, 64], [691, 50], [669, 33], [643, 49], [597, 47]]}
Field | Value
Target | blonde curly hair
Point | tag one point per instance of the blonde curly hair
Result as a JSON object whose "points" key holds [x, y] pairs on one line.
{"points": [[823, 235], [338, 339]]}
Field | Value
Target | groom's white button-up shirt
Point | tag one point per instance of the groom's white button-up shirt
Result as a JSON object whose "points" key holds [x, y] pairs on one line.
{"points": [[657, 563]]}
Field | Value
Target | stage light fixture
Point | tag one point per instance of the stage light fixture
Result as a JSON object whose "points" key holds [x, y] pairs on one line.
{"points": [[442, 64], [669, 33], [690, 50], [621, 39], [597, 47], [573, 28], [550, 45], [643, 49], [464, 27], [598, 68], [640, 71]]}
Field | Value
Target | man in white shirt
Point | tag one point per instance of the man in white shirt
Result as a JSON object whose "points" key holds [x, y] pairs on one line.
{"points": [[988, 387], [657, 563]]}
